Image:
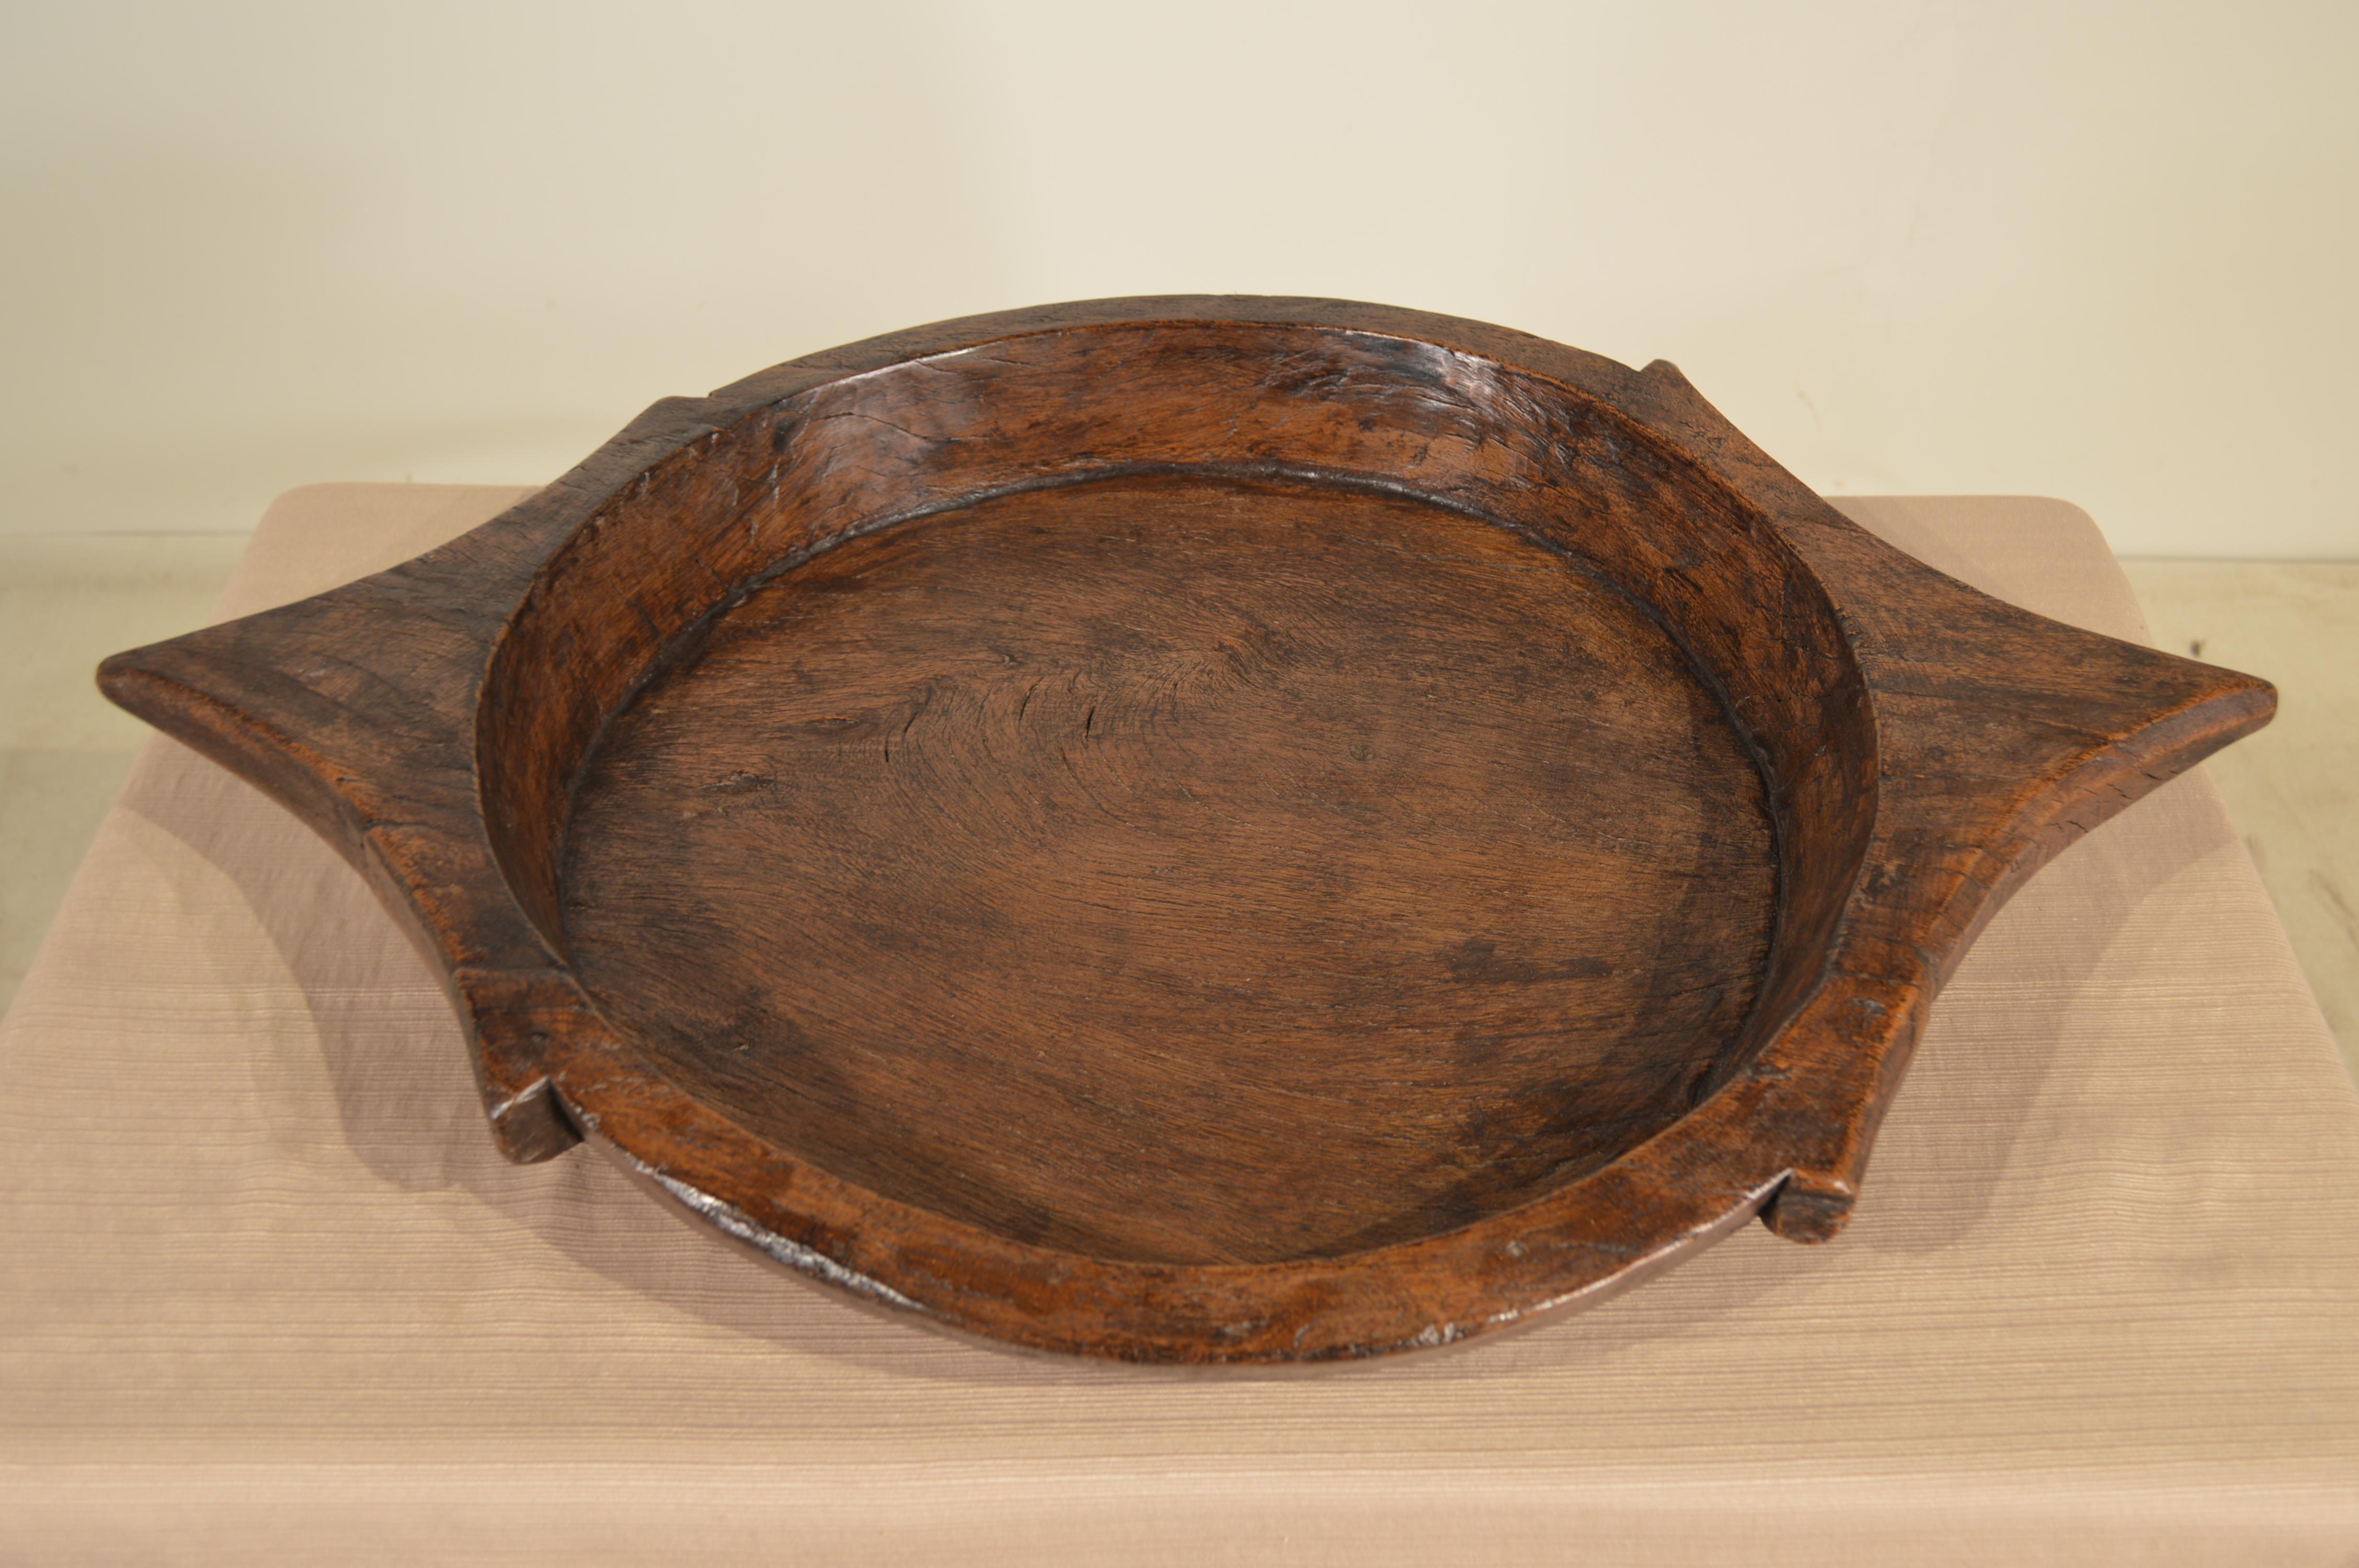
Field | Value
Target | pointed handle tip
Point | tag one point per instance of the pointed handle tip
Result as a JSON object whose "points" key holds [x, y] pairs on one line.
{"points": [[2218, 708], [163, 686]]}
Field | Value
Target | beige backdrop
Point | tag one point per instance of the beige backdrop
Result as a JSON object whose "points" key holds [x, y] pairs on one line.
{"points": [[2100, 252]]}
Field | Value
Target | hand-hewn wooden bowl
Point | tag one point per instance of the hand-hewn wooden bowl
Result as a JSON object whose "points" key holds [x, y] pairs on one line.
{"points": [[1197, 830]]}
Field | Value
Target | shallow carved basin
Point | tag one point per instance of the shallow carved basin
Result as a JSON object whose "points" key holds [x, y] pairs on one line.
{"points": [[1193, 829]]}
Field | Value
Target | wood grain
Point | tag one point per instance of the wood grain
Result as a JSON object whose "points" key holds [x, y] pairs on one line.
{"points": [[1384, 865], [1193, 829]]}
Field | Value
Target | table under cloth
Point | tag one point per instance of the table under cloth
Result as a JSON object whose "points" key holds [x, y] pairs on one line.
{"points": [[268, 1293]]}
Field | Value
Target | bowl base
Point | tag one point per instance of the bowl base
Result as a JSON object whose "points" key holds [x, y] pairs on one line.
{"points": [[1181, 869]]}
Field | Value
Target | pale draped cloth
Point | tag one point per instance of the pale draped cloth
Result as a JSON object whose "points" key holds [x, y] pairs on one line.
{"points": [[269, 1294]]}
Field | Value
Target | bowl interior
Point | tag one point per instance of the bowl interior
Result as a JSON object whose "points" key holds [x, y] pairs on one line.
{"points": [[1187, 795]]}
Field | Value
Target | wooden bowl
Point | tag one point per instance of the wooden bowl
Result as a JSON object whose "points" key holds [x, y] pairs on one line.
{"points": [[1195, 829]]}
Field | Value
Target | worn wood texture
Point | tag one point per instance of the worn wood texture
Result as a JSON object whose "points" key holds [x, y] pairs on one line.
{"points": [[1193, 829], [1203, 812]]}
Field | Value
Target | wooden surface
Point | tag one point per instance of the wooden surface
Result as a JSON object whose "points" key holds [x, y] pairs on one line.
{"points": [[1194, 1036], [1181, 872]]}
